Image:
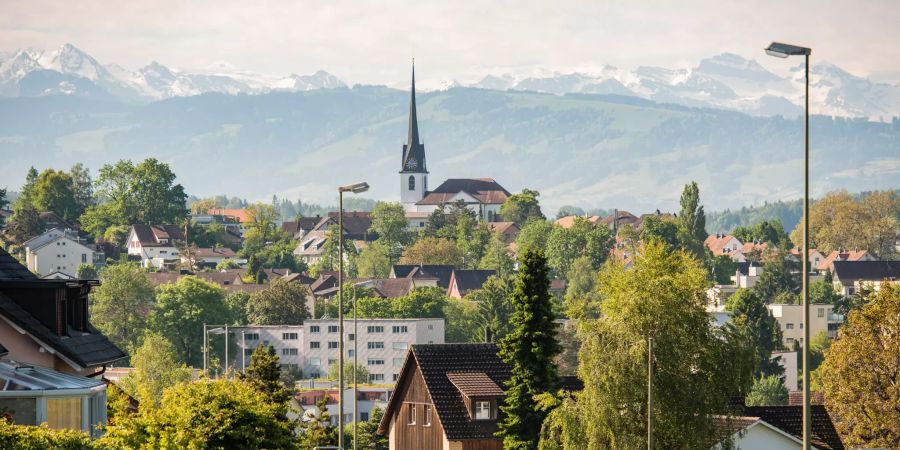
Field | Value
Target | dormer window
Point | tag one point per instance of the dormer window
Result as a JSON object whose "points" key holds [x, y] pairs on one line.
{"points": [[480, 393], [483, 410]]}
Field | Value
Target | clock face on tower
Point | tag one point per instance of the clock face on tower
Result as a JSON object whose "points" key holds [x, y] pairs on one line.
{"points": [[412, 164]]}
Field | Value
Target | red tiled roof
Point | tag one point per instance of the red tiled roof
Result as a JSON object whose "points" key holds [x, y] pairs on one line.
{"points": [[716, 242], [475, 384], [485, 190], [569, 221], [240, 215]]}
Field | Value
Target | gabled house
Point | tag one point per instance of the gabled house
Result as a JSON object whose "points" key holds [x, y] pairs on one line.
{"points": [[464, 280], [447, 397], [51, 353], [443, 272], [841, 255], [155, 245], [58, 251], [722, 244], [509, 230], [778, 427], [298, 228], [849, 276], [816, 258]]}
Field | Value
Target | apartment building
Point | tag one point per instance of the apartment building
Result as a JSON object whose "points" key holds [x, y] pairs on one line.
{"points": [[314, 346], [790, 319]]}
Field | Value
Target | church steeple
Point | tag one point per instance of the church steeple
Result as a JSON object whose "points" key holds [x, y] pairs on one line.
{"points": [[413, 151]]}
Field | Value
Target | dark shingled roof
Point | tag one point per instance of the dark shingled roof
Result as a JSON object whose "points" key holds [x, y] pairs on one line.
{"points": [[436, 361], [485, 190], [147, 234], [85, 349], [790, 420], [475, 384], [471, 279], [850, 271], [440, 271], [304, 224], [10, 268]]}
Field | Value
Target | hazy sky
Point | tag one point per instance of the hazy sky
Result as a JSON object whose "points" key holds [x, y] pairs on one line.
{"points": [[365, 41]]}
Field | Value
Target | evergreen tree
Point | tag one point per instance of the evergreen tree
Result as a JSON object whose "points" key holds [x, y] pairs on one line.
{"points": [[530, 349], [750, 315], [692, 221], [367, 432], [317, 430], [264, 373]]}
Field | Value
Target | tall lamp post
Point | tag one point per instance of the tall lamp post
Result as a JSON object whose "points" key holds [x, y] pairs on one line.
{"points": [[356, 188], [780, 50], [356, 362]]}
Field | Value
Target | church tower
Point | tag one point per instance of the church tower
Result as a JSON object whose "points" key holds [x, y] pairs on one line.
{"points": [[413, 173]]}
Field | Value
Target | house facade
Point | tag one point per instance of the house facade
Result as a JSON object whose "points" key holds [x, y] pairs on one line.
{"points": [[790, 319], [58, 251], [850, 276], [155, 245]]}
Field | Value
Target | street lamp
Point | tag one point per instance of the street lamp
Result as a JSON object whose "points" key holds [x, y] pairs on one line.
{"points": [[780, 50], [356, 361], [356, 188], [206, 332]]}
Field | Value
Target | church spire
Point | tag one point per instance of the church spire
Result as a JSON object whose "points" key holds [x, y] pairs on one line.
{"points": [[413, 151]]}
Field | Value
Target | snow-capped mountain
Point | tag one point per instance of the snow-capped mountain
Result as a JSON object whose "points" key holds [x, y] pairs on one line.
{"points": [[725, 81], [71, 71]]}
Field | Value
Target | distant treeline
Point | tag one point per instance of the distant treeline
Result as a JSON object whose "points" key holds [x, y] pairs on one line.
{"points": [[788, 212], [289, 210]]}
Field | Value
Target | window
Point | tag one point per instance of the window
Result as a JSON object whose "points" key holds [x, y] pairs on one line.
{"points": [[400, 329], [482, 410], [332, 344], [289, 336], [315, 362], [396, 376], [351, 337], [412, 414], [363, 416], [788, 326], [801, 325], [315, 375], [331, 361], [400, 346], [430, 327], [821, 312], [251, 336], [375, 345], [313, 328], [84, 257], [397, 362], [289, 352], [248, 351], [427, 417], [412, 183], [314, 344], [64, 413], [350, 353], [376, 329], [790, 341], [376, 377], [332, 328], [375, 362]]}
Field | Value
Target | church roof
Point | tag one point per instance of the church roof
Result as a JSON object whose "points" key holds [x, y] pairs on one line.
{"points": [[413, 150], [485, 190]]}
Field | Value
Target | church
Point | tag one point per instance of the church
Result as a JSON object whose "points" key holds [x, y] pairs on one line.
{"points": [[482, 195]]}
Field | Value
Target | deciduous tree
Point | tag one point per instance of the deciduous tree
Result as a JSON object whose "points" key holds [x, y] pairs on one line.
{"points": [[751, 317], [181, 310], [767, 391], [280, 303], [156, 368], [432, 250], [389, 221], [522, 207], [121, 305]]}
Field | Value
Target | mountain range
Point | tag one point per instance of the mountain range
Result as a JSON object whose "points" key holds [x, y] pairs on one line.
{"points": [[726, 81]]}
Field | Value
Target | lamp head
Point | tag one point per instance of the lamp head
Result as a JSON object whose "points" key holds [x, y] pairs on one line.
{"points": [[356, 188], [781, 50]]}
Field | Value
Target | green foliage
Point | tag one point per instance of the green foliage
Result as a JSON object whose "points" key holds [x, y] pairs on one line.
{"points": [[818, 345], [316, 430], [865, 222], [129, 194], [205, 414], [25, 224], [753, 319], [461, 323], [662, 230], [497, 256], [569, 210], [534, 235], [54, 191], [236, 304], [367, 432], [121, 305], [767, 391], [530, 349], [692, 221], [264, 374], [722, 268], [350, 369], [181, 310], [4, 202], [697, 368], [787, 213], [433, 250], [859, 375], [583, 238], [24, 437], [767, 231], [780, 276], [493, 309], [227, 264], [582, 300], [156, 368], [522, 207], [374, 261], [86, 271], [823, 291], [472, 240], [331, 253], [262, 227], [280, 303], [389, 221]]}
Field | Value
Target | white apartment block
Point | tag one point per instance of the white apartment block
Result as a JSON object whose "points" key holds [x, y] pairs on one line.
{"points": [[314, 346], [790, 319], [58, 252]]}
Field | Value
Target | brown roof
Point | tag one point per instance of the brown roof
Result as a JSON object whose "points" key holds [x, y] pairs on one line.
{"points": [[624, 217], [475, 384], [716, 242], [503, 227], [218, 252], [790, 420], [393, 287], [304, 224], [568, 221], [151, 235], [356, 224], [485, 190], [796, 398], [836, 255], [442, 272], [470, 279]]}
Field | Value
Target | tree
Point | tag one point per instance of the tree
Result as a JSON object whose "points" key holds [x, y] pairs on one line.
{"points": [[662, 230], [315, 427], [779, 276], [54, 191], [205, 414], [582, 300], [262, 227], [264, 374], [750, 315], [181, 310], [461, 323], [493, 309], [86, 271], [818, 345], [859, 375], [583, 238], [569, 210], [26, 193], [82, 187], [534, 235], [25, 224], [823, 291], [697, 368], [766, 231], [389, 221], [432, 250], [128, 194], [522, 207], [280, 303], [350, 368], [367, 432], [472, 242], [3, 204], [374, 261], [529, 349], [722, 268], [497, 256], [156, 368], [692, 221], [840, 221], [121, 305], [767, 391], [203, 206]]}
